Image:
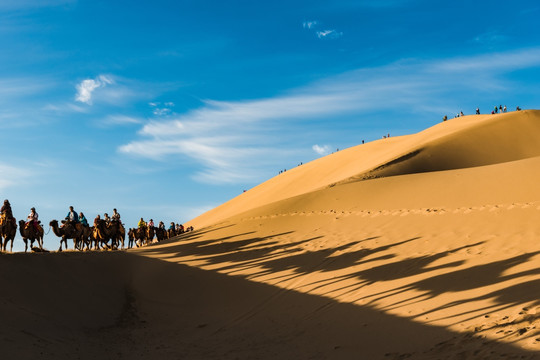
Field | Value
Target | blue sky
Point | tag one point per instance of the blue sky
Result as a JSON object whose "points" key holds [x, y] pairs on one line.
{"points": [[169, 108]]}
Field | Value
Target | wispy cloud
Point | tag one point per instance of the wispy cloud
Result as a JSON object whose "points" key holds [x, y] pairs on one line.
{"points": [[161, 110], [11, 176], [113, 120], [10, 5], [309, 24], [313, 25], [329, 34], [86, 88], [490, 38], [513, 60], [233, 141], [12, 88]]}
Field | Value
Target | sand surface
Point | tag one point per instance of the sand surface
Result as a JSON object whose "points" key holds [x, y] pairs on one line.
{"points": [[424, 246]]}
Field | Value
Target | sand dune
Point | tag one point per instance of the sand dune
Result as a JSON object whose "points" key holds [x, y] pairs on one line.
{"points": [[422, 246], [459, 143]]}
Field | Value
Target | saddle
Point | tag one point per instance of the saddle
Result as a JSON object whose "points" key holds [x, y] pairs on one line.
{"points": [[4, 219], [37, 225]]}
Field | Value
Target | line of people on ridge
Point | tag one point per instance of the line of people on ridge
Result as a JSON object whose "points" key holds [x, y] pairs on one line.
{"points": [[495, 110], [74, 218], [176, 228], [6, 213]]}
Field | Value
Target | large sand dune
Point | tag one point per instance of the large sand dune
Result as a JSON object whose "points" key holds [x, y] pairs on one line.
{"points": [[424, 246]]}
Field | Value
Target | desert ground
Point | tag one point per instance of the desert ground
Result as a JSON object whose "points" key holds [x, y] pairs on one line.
{"points": [[424, 246]]}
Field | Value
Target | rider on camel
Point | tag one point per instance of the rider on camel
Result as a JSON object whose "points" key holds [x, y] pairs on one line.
{"points": [[32, 219], [82, 219], [6, 211], [72, 216], [151, 223], [142, 224], [115, 216]]}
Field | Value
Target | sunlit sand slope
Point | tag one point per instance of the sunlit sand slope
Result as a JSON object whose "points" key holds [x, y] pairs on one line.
{"points": [[458, 143]]}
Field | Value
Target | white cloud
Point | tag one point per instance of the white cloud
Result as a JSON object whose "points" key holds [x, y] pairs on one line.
{"points": [[322, 34], [237, 141], [329, 34], [321, 150], [162, 110], [309, 24], [86, 87]]}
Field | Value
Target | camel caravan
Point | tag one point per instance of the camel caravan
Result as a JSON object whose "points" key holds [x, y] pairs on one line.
{"points": [[107, 233]]}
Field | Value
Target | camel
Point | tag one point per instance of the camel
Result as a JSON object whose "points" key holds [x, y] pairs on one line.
{"points": [[117, 232], [113, 231], [8, 230], [68, 231], [95, 237], [31, 234], [150, 232], [140, 236], [161, 234], [85, 239]]}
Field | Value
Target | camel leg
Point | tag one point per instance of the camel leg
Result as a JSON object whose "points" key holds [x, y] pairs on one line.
{"points": [[62, 241], [11, 247]]}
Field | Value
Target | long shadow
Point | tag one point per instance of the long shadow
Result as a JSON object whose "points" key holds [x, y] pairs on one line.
{"points": [[267, 256], [125, 306]]}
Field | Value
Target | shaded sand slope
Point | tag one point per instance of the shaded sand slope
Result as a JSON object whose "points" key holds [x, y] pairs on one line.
{"points": [[459, 143], [121, 306]]}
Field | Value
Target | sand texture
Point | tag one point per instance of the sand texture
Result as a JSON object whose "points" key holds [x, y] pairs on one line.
{"points": [[424, 246]]}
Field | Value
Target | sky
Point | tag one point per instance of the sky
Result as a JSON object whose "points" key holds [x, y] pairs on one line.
{"points": [[166, 109]]}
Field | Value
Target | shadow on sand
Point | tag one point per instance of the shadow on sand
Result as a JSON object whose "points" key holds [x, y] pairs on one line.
{"points": [[124, 306]]}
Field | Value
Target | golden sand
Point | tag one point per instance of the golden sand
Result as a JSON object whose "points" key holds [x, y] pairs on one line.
{"points": [[424, 246]]}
